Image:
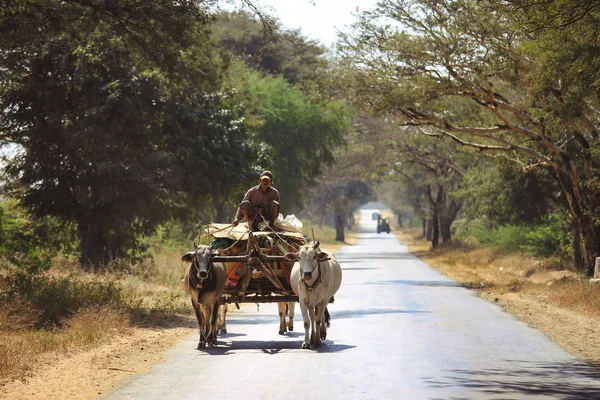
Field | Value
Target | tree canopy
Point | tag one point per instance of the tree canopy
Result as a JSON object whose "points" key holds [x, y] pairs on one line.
{"points": [[124, 116], [506, 84], [97, 101]]}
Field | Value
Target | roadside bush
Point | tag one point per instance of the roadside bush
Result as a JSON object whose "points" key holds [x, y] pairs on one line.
{"points": [[17, 315], [25, 269], [94, 323], [62, 297], [543, 240], [506, 238], [58, 298], [19, 232], [169, 235]]}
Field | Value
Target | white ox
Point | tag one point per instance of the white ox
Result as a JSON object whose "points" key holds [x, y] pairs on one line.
{"points": [[315, 278]]}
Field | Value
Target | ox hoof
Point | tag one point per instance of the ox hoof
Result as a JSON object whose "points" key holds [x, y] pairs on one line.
{"points": [[223, 331], [305, 345], [201, 346], [282, 332], [290, 327]]}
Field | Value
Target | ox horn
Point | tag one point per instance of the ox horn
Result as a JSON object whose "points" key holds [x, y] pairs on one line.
{"points": [[316, 245]]}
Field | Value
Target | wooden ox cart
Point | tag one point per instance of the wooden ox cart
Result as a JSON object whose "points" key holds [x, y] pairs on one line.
{"points": [[257, 269]]}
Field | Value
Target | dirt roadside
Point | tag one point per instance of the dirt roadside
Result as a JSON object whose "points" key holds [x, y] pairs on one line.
{"points": [[90, 373]]}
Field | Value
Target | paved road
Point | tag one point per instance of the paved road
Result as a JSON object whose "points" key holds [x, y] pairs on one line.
{"points": [[399, 331]]}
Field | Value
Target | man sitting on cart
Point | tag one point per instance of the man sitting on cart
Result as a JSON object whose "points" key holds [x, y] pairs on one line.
{"points": [[261, 201]]}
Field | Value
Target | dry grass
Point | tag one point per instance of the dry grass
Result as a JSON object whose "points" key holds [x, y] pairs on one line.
{"points": [[579, 296], [496, 273], [22, 347], [17, 315], [149, 297], [326, 236]]}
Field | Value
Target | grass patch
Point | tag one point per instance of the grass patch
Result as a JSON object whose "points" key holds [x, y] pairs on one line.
{"points": [[326, 236], [21, 347], [577, 295]]}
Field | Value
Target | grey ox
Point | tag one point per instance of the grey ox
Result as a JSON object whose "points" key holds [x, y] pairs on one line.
{"points": [[205, 281], [315, 278]]}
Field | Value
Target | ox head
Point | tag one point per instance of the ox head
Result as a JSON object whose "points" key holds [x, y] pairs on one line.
{"points": [[309, 257], [200, 258]]}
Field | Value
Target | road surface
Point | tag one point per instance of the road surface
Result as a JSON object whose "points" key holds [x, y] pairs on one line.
{"points": [[399, 330]]}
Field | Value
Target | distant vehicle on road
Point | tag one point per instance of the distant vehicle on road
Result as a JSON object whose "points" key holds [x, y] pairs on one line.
{"points": [[375, 216], [383, 225]]}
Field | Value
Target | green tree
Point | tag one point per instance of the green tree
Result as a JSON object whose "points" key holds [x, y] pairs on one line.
{"points": [[96, 96], [509, 89], [275, 51], [213, 152], [294, 135], [498, 191]]}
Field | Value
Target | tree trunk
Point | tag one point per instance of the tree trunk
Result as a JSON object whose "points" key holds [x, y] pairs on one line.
{"points": [[339, 218], [424, 223], [451, 210], [95, 252], [218, 204], [339, 228], [435, 236], [429, 235], [445, 225], [581, 209], [578, 264]]}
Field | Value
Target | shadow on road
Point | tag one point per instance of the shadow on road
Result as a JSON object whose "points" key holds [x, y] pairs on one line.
{"points": [[567, 381], [354, 257], [255, 319], [415, 283], [368, 312], [358, 269], [353, 261], [272, 347]]}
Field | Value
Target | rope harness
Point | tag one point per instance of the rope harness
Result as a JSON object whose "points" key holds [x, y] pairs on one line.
{"points": [[317, 282]]}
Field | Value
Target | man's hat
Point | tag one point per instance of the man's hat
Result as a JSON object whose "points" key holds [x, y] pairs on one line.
{"points": [[266, 174]]}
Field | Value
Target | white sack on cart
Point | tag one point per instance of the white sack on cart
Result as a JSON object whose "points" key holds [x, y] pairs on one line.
{"points": [[290, 223]]}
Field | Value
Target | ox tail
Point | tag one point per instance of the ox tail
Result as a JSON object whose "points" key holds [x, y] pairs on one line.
{"points": [[327, 318]]}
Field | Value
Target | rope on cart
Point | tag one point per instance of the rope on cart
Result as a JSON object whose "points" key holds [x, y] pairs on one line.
{"points": [[278, 235]]}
